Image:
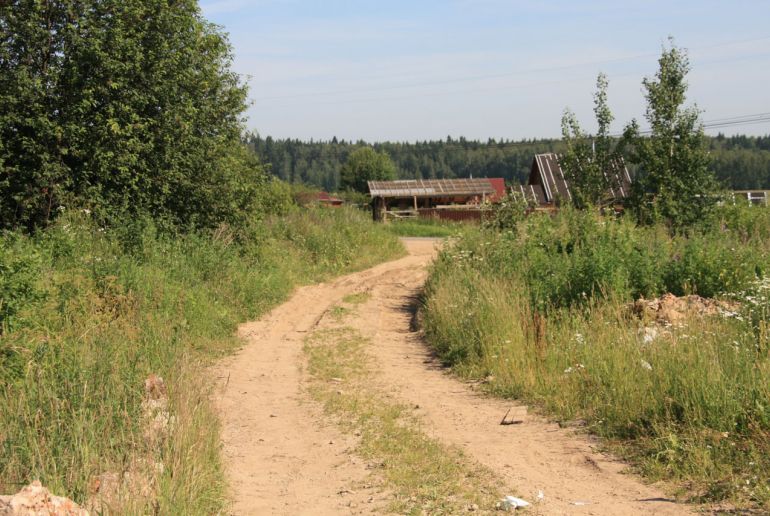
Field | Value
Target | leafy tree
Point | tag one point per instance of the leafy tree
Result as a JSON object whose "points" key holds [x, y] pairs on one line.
{"points": [[366, 164], [675, 183], [587, 159], [128, 106]]}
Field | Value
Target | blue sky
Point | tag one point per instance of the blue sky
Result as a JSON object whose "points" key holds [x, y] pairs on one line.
{"points": [[417, 70]]}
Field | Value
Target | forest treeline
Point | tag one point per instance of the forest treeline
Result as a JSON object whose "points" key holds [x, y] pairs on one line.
{"points": [[740, 162]]}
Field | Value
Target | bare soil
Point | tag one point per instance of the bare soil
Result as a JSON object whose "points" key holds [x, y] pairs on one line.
{"points": [[283, 457]]}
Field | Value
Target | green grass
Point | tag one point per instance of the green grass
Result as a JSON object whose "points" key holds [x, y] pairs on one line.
{"points": [[357, 298], [93, 311], [427, 228], [422, 475], [550, 323], [339, 312]]}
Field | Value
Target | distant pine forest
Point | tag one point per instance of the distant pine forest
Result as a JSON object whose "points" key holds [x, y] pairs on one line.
{"points": [[740, 162]]}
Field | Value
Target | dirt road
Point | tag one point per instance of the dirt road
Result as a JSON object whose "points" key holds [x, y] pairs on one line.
{"points": [[283, 457]]}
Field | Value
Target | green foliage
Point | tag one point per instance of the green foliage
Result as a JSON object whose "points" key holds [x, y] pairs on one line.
{"points": [[123, 107], [574, 256], [127, 301], [742, 162], [676, 184], [319, 163], [551, 323], [588, 159], [430, 228], [19, 276], [508, 213], [366, 164]]}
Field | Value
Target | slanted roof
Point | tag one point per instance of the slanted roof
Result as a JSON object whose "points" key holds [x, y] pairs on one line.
{"points": [[431, 187], [531, 194], [498, 183], [547, 174], [619, 179]]}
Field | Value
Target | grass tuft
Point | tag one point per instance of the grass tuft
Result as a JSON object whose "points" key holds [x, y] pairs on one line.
{"points": [[423, 475]]}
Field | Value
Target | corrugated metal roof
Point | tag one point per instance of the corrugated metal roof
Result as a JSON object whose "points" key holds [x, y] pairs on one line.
{"points": [[431, 187]]}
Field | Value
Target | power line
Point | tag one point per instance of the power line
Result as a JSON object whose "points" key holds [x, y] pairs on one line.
{"points": [[734, 121], [737, 117]]}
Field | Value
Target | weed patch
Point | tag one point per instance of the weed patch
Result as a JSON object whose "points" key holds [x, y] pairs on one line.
{"points": [[424, 475], [357, 298]]}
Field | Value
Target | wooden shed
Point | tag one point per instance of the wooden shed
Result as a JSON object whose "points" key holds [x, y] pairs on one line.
{"points": [[547, 186], [455, 199]]}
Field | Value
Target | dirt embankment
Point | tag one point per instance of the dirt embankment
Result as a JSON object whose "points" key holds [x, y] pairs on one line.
{"points": [[284, 457]]}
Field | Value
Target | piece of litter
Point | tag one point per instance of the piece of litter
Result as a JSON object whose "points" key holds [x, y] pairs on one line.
{"points": [[512, 420], [511, 502], [580, 503], [540, 495]]}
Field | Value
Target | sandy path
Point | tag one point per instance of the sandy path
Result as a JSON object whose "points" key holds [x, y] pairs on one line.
{"points": [[281, 458]]}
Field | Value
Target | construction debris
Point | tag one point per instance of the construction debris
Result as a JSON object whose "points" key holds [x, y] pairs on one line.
{"points": [[670, 310], [36, 500]]}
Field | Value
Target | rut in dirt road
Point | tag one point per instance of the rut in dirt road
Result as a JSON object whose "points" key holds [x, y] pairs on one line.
{"points": [[283, 456]]}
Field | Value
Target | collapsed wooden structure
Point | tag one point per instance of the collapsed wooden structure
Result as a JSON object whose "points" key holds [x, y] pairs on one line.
{"points": [[449, 199], [548, 186]]}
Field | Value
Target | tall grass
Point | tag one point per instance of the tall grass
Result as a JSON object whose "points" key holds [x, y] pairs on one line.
{"points": [[88, 313], [542, 311], [430, 228]]}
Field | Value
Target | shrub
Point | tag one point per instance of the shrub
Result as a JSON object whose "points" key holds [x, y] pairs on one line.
{"points": [[19, 275]]}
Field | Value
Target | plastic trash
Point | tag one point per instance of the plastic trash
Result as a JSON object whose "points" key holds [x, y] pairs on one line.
{"points": [[511, 502], [540, 496]]}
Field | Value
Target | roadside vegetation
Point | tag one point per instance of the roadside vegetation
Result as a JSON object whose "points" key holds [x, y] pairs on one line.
{"points": [[89, 312], [574, 311], [545, 313]]}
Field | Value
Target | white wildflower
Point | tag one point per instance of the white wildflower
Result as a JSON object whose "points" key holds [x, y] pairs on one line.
{"points": [[574, 368], [649, 334]]}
